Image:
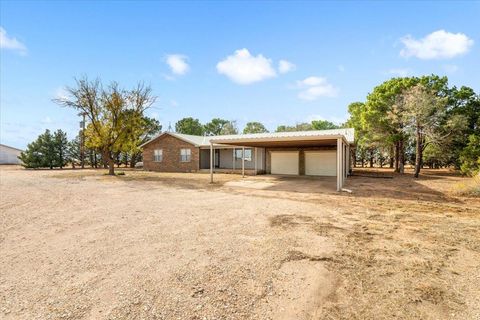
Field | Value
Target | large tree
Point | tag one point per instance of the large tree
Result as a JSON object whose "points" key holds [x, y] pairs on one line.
{"points": [[423, 114], [189, 126], [47, 151], [470, 156], [323, 125], [220, 127], [304, 126], [384, 115], [114, 114], [147, 130], [60, 145], [254, 127]]}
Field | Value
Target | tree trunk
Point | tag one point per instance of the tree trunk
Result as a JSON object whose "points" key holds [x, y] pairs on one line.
{"points": [[397, 156], [371, 158], [392, 156], [133, 160], [401, 157], [419, 153], [110, 161], [354, 156]]}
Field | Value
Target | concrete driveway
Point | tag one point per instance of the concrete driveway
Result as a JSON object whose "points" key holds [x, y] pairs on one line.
{"points": [[302, 184]]}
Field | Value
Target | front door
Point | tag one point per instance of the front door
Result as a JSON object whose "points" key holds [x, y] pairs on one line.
{"points": [[217, 158]]}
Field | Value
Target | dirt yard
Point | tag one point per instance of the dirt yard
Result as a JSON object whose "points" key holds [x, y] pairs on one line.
{"points": [[80, 245]]}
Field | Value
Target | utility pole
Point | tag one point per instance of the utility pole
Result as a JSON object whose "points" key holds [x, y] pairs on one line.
{"points": [[82, 139]]}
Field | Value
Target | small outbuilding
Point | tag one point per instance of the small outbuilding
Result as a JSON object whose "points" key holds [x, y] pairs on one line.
{"points": [[9, 155]]}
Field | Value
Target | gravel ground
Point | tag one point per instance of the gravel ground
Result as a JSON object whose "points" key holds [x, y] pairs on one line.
{"points": [[81, 245]]}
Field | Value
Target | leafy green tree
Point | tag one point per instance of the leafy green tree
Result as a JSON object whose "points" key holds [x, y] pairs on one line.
{"points": [[254, 127], [32, 156], [148, 129], [41, 153], [464, 102], [47, 149], [384, 117], [323, 125], [61, 149], [114, 114], [230, 128], [304, 126], [220, 127], [73, 149], [189, 126], [426, 118], [215, 127], [470, 156]]}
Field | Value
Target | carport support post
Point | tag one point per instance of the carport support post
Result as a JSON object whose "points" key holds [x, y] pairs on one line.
{"points": [[348, 161], [255, 161], [211, 162], [243, 162], [339, 164]]}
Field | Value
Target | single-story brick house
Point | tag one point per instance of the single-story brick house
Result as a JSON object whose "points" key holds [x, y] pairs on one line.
{"points": [[315, 153]]}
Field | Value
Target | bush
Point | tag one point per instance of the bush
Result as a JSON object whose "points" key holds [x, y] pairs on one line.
{"points": [[470, 156]]}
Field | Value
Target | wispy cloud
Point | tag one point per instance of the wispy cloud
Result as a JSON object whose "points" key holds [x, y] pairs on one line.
{"points": [[285, 66], [436, 45], [10, 43], [313, 88], [400, 72], [60, 93], [177, 63], [243, 68]]}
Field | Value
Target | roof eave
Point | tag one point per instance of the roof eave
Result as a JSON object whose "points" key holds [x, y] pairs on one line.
{"points": [[270, 139]]}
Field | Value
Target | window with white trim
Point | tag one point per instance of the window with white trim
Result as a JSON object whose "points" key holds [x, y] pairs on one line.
{"points": [[158, 155], [185, 155], [248, 154]]}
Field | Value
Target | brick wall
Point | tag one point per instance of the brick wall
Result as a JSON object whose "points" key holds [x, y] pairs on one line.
{"points": [[171, 155], [301, 155]]}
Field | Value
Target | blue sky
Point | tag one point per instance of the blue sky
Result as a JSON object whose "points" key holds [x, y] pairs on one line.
{"points": [[222, 59]]}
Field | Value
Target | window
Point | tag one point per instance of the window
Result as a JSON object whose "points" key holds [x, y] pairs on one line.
{"points": [[185, 155], [238, 154], [248, 154], [158, 155]]}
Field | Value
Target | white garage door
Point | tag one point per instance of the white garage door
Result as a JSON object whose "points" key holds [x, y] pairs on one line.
{"points": [[321, 163], [284, 162]]}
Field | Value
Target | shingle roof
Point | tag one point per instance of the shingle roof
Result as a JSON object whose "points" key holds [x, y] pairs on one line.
{"points": [[203, 141]]}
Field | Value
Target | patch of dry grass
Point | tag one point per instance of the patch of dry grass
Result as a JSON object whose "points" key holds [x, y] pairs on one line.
{"points": [[469, 188]]}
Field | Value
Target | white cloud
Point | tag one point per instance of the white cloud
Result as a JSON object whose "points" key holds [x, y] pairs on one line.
{"points": [[285, 66], [436, 45], [311, 81], [243, 68], [313, 88], [178, 63], [9, 43], [60, 93], [46, 120], [401, 72]]}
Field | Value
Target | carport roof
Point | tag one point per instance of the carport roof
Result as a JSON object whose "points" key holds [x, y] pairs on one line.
{"points": [[286, 138]]}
